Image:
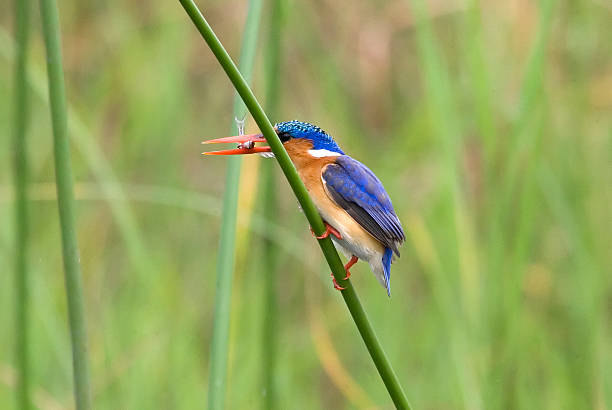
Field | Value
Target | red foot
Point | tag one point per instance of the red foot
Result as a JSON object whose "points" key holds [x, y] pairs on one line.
{"points": [[328, 230], [349, 264], [336, 286]]}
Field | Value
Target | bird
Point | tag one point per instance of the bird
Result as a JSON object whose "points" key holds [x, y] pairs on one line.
{"points": [[351, 200]]}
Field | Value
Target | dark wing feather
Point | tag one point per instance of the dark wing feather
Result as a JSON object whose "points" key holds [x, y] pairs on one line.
{"points": [[357, 190]]}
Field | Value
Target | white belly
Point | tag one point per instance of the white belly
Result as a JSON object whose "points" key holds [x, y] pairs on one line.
{"points": [[349, 246], [355, 240]]}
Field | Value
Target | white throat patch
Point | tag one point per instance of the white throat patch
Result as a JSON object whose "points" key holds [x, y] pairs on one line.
{"points": [[320, 153]]}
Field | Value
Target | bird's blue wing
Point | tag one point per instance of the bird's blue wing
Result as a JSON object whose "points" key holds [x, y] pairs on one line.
{"points": [[359, 192]]}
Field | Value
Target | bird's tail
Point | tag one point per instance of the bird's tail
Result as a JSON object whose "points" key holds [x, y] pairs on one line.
{"points": [[386, 262]]}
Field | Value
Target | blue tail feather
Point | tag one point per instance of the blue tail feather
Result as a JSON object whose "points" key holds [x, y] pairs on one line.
{"points": [[386, 260]]}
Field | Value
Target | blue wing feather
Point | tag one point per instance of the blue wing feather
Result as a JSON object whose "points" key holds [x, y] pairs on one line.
{"points": [[357, 190]]}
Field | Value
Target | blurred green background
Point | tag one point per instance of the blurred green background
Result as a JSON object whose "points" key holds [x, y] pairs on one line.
{"points": [[490, 124]]}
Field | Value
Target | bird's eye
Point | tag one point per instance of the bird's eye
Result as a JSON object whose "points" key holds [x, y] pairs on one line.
{"points": [[284, 136]]}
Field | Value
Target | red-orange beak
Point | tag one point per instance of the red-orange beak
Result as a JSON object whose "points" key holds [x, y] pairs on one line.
{"points": [[246, 145]]}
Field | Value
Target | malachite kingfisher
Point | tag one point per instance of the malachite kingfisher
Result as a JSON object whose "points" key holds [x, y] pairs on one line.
{"points": [[351, 200]]}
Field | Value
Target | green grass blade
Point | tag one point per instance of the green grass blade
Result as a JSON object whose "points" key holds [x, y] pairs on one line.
{"points": [[22, 305], [85, 143], [331, 255], [270, 304], [65, 199], [457, 248], [530, 97], [269, 198], [480, 77], [226, 261]]}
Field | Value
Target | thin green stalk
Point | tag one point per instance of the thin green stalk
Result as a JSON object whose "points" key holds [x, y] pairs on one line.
{"points": [[87, 146], [227, 245], [270, 210], [65, 200], [22, 305], [331, 255], [270, 305], [457, 248]]}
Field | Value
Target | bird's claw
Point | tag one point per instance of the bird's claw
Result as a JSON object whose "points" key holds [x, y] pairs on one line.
{"points": [[336, 286], [349, 264], [328, 230]]}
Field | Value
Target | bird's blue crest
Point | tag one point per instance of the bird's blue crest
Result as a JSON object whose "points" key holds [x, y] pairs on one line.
{"points": [[298, 129]]}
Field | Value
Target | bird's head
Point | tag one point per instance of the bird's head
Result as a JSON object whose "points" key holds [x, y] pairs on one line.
{"points": [[289, 132], [322, 142]]}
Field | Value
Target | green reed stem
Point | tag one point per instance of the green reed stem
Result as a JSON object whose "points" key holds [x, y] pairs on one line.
{"points": [[22, 301], [270, 210], [227, 245], [331, 255], [65, 199]]}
